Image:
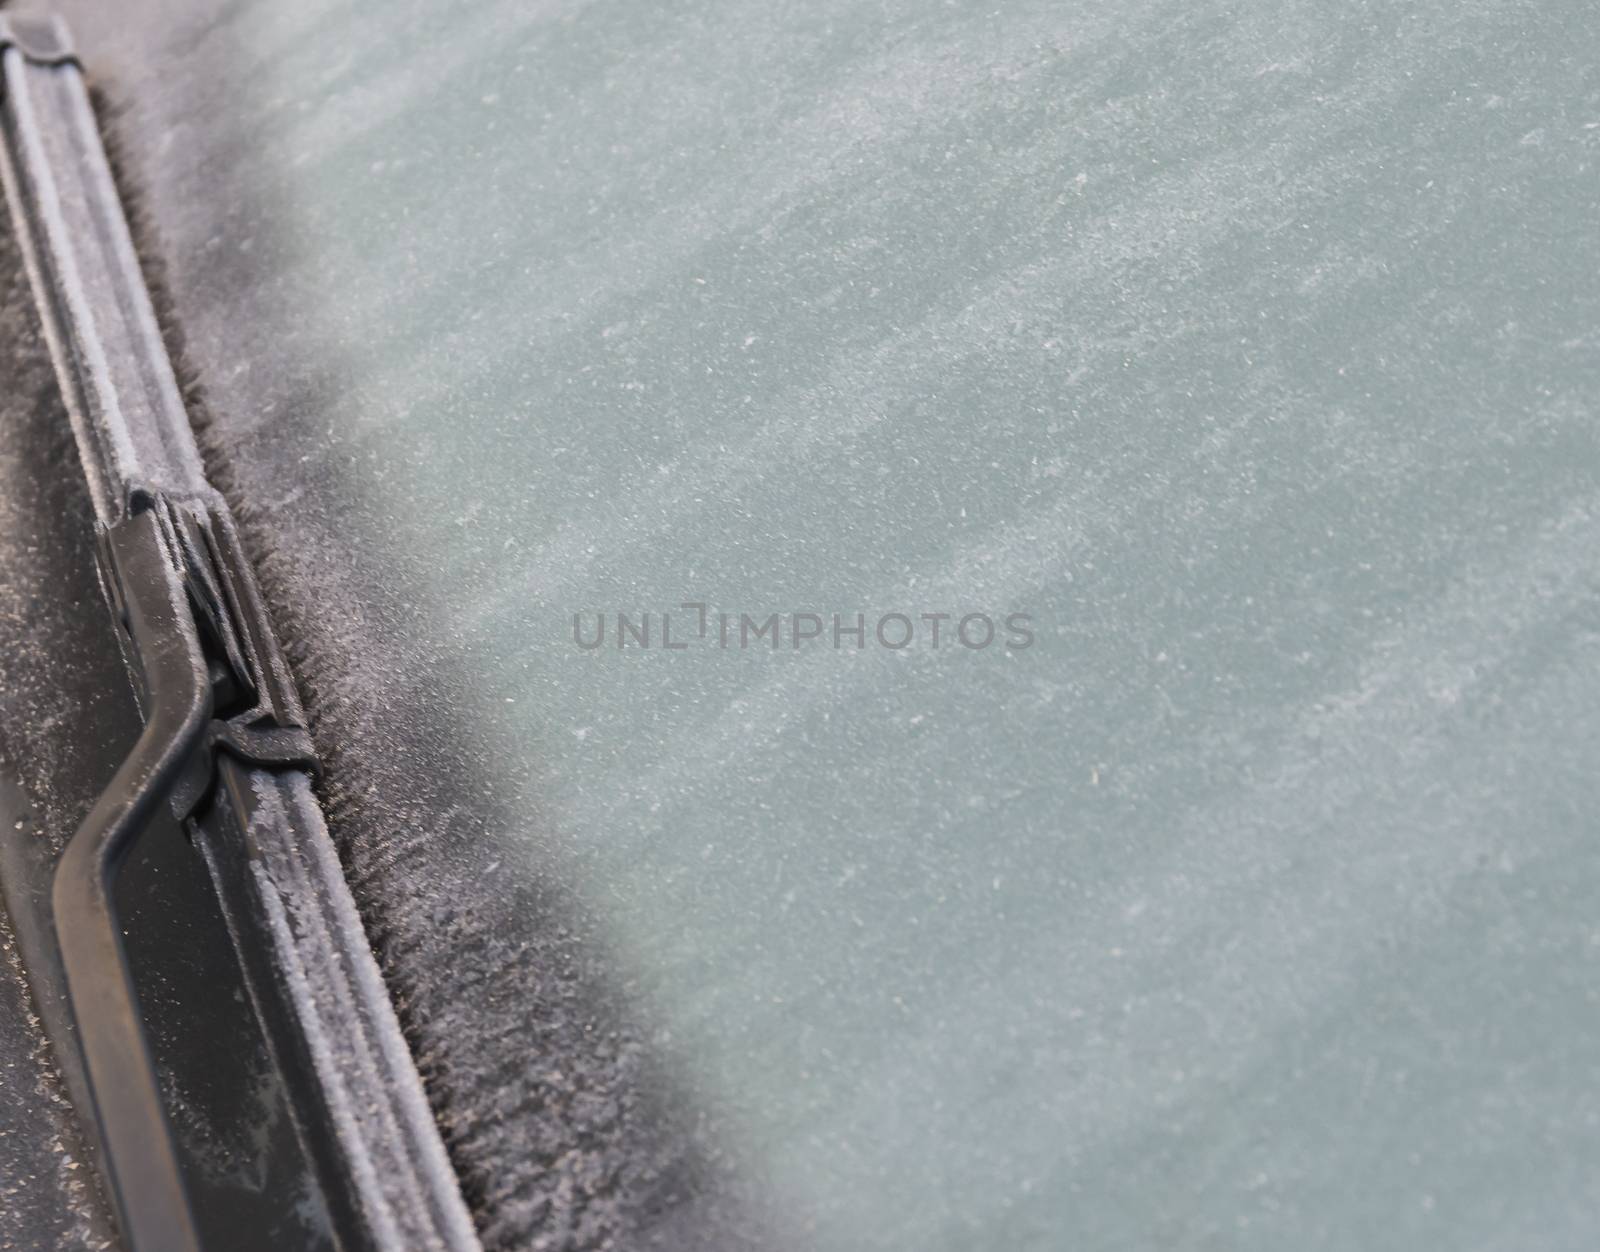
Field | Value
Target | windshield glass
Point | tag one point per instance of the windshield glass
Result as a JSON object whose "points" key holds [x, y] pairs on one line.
{"points": [[1009, 589]]}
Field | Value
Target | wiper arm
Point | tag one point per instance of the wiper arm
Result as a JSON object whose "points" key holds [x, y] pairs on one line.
{"points": [[140, 1161]]}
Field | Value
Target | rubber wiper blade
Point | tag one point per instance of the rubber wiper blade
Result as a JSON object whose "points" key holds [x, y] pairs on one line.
{"points": [[225, 744], [127, 414]]}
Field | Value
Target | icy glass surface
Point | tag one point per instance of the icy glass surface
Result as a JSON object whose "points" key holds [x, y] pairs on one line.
{"points": [[1249, 350]]}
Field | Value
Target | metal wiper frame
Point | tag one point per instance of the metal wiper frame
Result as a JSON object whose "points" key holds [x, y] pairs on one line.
{"points": [[225, 742]]}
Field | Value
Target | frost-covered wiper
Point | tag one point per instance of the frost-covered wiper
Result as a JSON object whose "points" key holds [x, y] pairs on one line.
{"points": [[225, 743]]}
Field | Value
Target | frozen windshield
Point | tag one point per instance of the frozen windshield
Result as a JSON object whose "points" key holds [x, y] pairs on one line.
{"points": [[624, 395]]}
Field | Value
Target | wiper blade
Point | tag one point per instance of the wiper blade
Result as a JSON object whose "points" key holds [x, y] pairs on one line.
{"points": [[225, 742]]}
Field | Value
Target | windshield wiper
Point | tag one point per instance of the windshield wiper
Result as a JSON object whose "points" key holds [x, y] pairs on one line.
{"points": [[225, 743]]}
